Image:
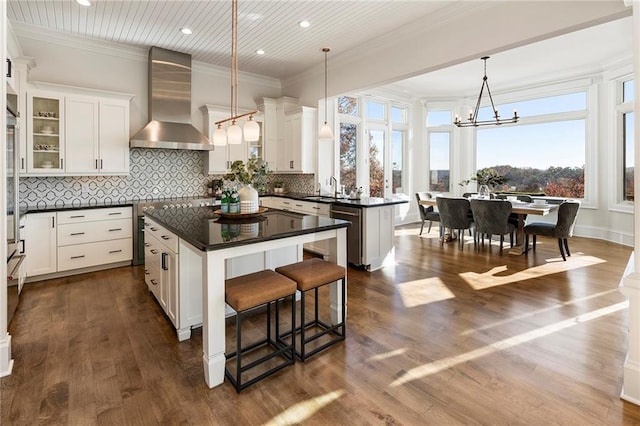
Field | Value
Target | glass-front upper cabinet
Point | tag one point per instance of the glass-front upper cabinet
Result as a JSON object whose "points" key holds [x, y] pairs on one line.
{"points": [[45, 133]]}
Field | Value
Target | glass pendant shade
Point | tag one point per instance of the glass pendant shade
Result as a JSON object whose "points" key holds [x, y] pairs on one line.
{"points": [[251, 130], [219, 136], [325, 132], [234, 134]]}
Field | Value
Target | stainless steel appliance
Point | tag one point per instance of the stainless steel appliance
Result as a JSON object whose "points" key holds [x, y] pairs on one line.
{"points": [[15, 254], [354, 232], [169, 203]]}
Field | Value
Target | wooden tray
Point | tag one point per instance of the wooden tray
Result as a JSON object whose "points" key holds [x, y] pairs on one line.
{"points": [[260, 211]]}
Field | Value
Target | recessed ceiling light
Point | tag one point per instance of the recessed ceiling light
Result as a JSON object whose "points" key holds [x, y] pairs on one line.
{"points": [[186, 30], [259, 52], [85, 3], [304, 24]]}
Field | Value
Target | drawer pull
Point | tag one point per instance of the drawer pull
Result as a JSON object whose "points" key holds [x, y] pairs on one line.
{"points": [[164, 262], [76, 217], [154, 282], [164, 237], [114, 251], [76, 233], [154, 229], [146, 272], [115, 229], [316, 208], [154, 251], [77, 257], [298, 205], [114, 213], [147, 244]]}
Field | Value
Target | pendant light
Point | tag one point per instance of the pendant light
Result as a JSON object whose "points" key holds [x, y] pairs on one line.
{"points": [[233, 135], [473, 115], [325, 131]]}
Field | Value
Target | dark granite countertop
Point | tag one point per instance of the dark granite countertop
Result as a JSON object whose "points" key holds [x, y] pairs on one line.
{"points": [[205, 230], [45, 206], [327, 199]]}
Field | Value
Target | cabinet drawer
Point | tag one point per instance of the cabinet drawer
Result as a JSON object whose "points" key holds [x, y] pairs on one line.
{"points": [[152, 251], [89, 232], [161, 234], [92, 215], [92, 254], [152, 279]]}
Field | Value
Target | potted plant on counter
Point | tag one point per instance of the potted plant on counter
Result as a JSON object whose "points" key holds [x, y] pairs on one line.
{"points": [[251, 175]]}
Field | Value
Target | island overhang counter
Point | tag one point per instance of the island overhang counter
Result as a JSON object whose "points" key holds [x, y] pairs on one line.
{"points": [[208, 245]]}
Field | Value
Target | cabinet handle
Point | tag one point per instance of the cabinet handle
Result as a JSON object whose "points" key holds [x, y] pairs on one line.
{"points": [[8, 68], [114, 251], [154, 282], [154, 251], [147, 244], [62, 163], [53, 221], [154, 229], [24, 246], [101, 163], [164, 237], [96, 163], [77, 257], [291, 164], [298, 205], [146, 272], [22, 163], [114, 213], [316, 208], [164, 262], [76, 217], [76, 233], [286, 202], [115, 229]]}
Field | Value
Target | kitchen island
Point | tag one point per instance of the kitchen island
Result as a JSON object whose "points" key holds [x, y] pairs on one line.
{"points": [[209, 245]]}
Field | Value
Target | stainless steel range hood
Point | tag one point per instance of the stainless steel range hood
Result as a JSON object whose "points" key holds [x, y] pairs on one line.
{"points": [[170, 105]]}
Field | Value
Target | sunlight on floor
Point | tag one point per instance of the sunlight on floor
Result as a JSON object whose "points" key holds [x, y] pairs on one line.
{"points": [[386, 355], [422, 292], [536, 312], [304, 410], [492, 279], [442, 364]]}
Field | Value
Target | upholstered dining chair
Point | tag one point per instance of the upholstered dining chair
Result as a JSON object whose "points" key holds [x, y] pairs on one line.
{"points": [[455, 213], [426, 212], [491, 217], [513, 218], [562, 229]]}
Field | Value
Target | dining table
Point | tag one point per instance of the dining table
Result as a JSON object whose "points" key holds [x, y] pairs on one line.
{"points": [[520, 208]]}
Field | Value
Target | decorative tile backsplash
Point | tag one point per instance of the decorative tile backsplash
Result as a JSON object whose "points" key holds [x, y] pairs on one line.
{"points": [[154, 173]]}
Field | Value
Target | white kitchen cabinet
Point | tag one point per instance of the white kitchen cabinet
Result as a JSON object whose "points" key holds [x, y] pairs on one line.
{"points": [[45, 133], [77, 132], [377, 236], [41, 243], [218, 160], [274, 128], [297, 154], [177, 291], [97, 136]]}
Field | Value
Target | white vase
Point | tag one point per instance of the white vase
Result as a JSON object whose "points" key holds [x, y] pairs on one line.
{"points": [[248, 199]]}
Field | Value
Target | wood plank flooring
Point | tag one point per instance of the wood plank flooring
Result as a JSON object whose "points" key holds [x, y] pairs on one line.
{"points": [[443, 337]]}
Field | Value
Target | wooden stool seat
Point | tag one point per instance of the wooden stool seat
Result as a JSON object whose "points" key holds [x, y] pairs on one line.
{"points": [[311, 274], [250, 291]]}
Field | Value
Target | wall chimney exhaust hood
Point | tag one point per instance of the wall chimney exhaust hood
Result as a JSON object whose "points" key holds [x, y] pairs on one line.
{"points": [[170, 105]]}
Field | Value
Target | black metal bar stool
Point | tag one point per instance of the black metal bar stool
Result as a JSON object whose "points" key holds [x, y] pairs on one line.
{"points": [[312, 274], [248, 292]]}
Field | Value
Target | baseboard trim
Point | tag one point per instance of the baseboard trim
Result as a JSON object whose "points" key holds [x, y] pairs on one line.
{"points": [[77, 271]]}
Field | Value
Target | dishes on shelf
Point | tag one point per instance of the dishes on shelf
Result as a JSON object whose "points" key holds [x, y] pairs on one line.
{"points": [[46, 165], [46, 114]]}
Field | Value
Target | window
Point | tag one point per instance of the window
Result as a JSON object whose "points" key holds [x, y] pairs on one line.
{"points": [[439, 162], [439, 118], [376, 162], [348, 105], [625, 114], [397, 160], [544, 158], [542, 106], [348, 148], [398, 115], [375, 110]]}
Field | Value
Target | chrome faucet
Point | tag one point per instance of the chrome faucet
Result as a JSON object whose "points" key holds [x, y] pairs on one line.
{"points": [[335, 185]]}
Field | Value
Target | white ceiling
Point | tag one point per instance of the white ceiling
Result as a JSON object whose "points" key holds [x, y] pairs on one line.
{"points": [[342, 25], [269, 25]]}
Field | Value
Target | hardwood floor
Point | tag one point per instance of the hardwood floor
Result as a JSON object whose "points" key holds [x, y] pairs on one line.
{"points": [[443, 337]]}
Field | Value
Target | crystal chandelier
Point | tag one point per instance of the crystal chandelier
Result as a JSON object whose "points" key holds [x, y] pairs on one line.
{"points": [[233, 135], [473, 115]]}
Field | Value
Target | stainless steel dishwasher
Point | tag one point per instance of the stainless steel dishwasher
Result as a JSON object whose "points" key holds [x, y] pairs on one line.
{"points": [[354, 232]]}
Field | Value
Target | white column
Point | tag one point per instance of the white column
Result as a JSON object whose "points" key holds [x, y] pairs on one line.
{"points": [[631, 282]]}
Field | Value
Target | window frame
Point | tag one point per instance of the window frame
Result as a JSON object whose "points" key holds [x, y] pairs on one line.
{"points": [[618, 109]]}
